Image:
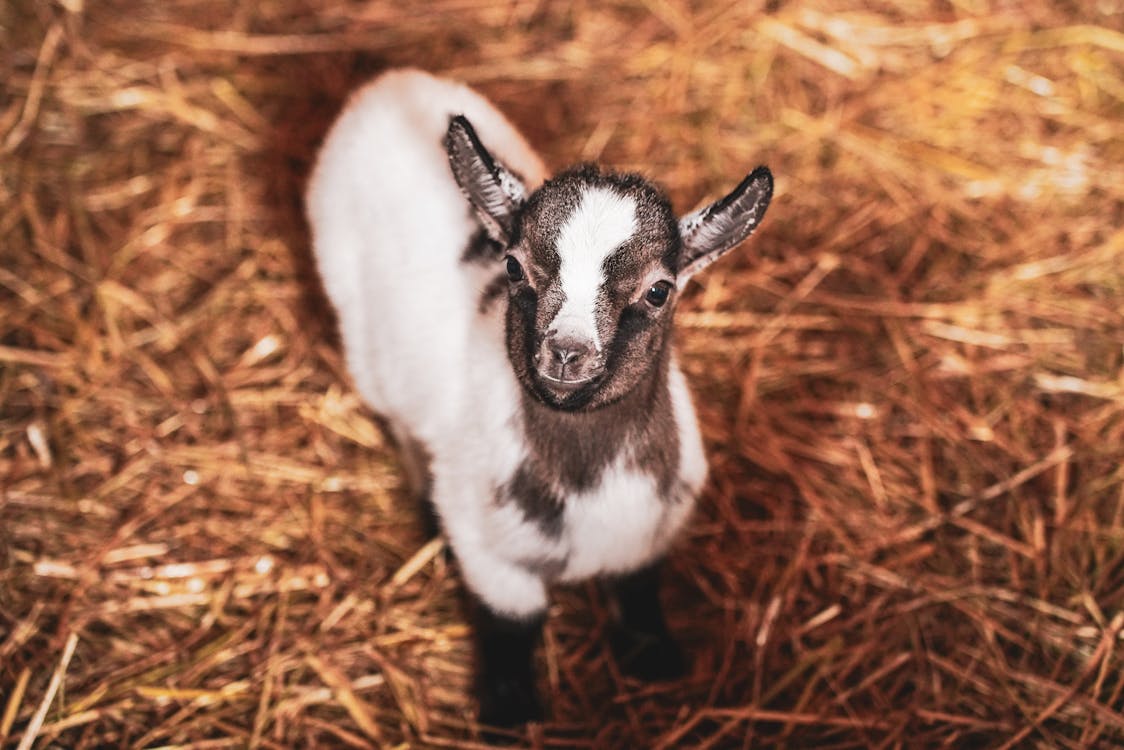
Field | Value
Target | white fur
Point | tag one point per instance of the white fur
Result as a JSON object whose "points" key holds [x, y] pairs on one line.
{"points": [[692, 457], [601, 223], [389, 226], [617, 527]]}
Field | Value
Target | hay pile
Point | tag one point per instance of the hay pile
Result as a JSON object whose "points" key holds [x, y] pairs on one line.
{"points": [[911, 381]]}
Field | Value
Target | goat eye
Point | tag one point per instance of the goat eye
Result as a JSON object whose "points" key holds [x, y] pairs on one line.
{"points": [[657, 294], [514, 270]]}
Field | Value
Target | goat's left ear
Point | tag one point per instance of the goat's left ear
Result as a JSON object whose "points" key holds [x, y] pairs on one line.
{"points": [[716, 229], [494, 192]]}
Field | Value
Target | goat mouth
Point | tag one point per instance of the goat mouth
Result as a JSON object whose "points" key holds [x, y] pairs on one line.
{"points": [[559, 385]]}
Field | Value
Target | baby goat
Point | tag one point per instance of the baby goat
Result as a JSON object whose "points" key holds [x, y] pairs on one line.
{"points": [[515, 333]]}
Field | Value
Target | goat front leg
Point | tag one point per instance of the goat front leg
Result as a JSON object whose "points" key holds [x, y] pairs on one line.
{"points": [[508, 611], [641, 642], [505, 675]]}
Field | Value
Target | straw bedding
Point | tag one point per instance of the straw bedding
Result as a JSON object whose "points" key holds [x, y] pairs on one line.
{"points": [[911, 381]]}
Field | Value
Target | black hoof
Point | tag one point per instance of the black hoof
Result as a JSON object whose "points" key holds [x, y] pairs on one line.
{"points": [[649, 657], [509, 703], [505, 707]]}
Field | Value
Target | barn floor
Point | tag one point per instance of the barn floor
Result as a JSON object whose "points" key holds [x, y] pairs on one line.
{"points": [[911, 381]]}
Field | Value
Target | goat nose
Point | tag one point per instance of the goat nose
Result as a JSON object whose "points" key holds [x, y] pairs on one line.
{"points": [[569, 352]]}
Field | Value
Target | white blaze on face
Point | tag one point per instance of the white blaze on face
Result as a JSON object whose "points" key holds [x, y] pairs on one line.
{"points": [[602, 222]]}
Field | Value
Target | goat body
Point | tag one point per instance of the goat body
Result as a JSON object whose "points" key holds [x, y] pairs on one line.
{"points": [[514, 332]]}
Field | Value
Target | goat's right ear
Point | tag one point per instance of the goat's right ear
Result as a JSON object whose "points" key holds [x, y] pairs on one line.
{"points": [[494, 192]]}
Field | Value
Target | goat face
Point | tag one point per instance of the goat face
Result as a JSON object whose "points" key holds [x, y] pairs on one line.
{"points": [[591, 274], [594, 262]]}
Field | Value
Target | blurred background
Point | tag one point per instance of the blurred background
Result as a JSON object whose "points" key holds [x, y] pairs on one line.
{"points": [[911, 381]]}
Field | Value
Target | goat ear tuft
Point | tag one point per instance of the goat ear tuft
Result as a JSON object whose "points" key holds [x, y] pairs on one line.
{"points": [[494, 192], [714, 230]]}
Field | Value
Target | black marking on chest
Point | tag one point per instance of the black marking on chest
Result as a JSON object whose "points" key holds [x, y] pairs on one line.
{"points": [[540, 504]]}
